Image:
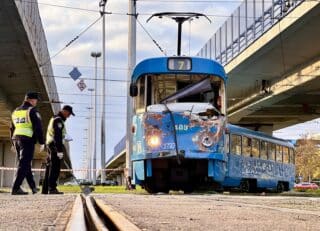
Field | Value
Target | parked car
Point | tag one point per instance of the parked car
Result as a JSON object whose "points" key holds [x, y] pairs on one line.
{"points": [[109, 183], [85, 182], [72, 182], [305, 186]]}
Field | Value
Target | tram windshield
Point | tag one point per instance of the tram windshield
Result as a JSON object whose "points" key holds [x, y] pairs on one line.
{"points": [[180, 88]]}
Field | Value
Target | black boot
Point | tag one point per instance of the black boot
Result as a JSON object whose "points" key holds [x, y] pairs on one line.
{"points": [[18, 192], [55, 191], [35, 190]]}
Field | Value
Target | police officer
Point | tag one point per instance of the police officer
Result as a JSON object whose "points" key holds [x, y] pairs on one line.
{"points": [[55, 134], [26, 130]]}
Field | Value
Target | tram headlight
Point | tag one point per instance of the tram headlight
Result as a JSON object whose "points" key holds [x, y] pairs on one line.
{"points": [[154, 141]]}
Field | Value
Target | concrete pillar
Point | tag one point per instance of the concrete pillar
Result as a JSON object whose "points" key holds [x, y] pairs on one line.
{"points": [[8, 159], [37, 175]]}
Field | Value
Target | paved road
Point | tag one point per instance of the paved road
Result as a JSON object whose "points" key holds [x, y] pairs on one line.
{"points": [[217, 212], [35, 212]]}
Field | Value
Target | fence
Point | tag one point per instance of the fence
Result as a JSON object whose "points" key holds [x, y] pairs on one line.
{"points": [[248, 22]]}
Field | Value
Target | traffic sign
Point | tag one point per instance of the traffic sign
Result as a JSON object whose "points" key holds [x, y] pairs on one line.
{"points": [[81, 85], [75, 73]]}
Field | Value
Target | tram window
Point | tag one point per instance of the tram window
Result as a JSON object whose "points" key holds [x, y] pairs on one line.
{"points": [[140, 106], [246, 146], [285, 155], [263, 150], [149, 91], [291, 156], [279, 153], [227, 144], [255, 148], [236, 144], [271, 151]]}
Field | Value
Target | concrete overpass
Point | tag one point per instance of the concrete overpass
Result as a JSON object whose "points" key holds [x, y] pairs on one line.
{"points": [[24, 66], [117, 161], [271, 53]]}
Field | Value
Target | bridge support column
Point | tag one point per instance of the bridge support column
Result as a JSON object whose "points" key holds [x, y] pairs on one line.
{"points": [[8, 160]]}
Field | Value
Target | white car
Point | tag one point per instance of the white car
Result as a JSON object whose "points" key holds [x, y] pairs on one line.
{"points": [[71, 183]]}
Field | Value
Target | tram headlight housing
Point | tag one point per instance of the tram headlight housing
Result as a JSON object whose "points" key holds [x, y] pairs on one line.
{"points": [[154, 140]]}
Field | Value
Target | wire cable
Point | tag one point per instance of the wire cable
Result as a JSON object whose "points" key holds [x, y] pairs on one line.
{"points": [[72, 41], [150, 36]]}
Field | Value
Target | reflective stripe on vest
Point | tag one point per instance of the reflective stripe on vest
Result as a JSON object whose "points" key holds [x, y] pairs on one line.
{"points": [[50, 130], [22, 123]]}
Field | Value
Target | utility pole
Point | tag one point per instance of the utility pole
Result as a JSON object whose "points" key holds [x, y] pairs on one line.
{"points": [[95, 55], [102, 5], [91, 135], [131, 64]]}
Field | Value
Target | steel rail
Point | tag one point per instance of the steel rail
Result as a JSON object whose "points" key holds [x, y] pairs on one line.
{"points": [[91, 214]]}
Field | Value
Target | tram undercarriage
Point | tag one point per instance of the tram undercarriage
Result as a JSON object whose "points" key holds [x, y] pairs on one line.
{"points": [[167, 175]]}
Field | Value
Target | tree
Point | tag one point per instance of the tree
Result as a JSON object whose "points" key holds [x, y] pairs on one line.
{"points": [[308, 159]]}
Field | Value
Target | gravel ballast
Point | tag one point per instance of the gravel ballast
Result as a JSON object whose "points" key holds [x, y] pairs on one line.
{"points": [[34, 212]]}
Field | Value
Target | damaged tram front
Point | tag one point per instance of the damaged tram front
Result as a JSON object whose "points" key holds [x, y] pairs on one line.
{"points": [[179, 123]]}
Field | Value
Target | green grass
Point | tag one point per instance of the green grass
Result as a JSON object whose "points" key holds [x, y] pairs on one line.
{"points": [[100, 189]]}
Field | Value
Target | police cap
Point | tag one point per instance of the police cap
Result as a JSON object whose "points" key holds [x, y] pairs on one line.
{"points": [[69, 109], [32, 95]]}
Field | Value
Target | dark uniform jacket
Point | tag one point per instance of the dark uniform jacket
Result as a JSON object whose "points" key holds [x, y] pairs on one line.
{"points": [[58, 126], [36, 124]]}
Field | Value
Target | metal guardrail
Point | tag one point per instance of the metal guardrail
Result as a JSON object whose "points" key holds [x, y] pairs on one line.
{"points": [[118, 148], [248, 22]]}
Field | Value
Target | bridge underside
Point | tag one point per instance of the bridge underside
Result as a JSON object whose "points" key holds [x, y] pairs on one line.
{"points": [[19, 70], [275, 81]]}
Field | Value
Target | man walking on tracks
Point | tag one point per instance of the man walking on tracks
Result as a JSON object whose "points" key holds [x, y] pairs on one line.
{"points": [[55, 135], [26, 130]]}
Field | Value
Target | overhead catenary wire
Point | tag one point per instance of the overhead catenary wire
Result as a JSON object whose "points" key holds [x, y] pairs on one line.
{"points": [[152, 1], [150, 36], [85, 78], [92, 67], [72, 41]]}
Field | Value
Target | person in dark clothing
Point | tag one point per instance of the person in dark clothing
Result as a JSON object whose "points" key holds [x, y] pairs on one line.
{"points": [[25, 132], [55, 135]]}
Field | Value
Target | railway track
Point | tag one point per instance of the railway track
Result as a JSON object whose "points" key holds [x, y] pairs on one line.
{"points": [[93, 214]]}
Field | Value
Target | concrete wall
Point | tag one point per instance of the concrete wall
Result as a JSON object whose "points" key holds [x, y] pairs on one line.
{"points": [[31, 20]]}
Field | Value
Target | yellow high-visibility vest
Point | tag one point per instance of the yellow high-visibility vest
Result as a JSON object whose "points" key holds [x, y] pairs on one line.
{"points": [[50, 130], [22, 122]]}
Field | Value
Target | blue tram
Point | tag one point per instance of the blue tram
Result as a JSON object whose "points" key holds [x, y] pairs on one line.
{"points": [[181, 139]]}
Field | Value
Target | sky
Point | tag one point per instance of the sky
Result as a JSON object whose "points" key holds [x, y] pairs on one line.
{"points": [[62, 24]]}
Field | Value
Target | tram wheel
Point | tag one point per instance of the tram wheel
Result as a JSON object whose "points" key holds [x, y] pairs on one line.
{"points": [[149, 187], [188, 189], [280, 187], [245, 186]]}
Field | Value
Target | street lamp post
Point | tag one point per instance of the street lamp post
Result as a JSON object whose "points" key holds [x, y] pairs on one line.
{"points": [[95, 55], [92, 129]]}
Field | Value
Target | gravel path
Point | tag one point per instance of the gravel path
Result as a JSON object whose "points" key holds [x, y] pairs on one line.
{"points": [[34, 212], [217, 212]]}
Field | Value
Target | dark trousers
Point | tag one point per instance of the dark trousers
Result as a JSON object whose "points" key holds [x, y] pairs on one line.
{"points": [[25, 150], [52, 170]]}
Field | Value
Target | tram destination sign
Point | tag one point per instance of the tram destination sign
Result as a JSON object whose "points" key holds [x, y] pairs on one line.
{"points": [[179, 64]]}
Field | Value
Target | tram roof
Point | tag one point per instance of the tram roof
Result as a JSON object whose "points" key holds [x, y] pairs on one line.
{"points": [[234, 129], [160, 66]]}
